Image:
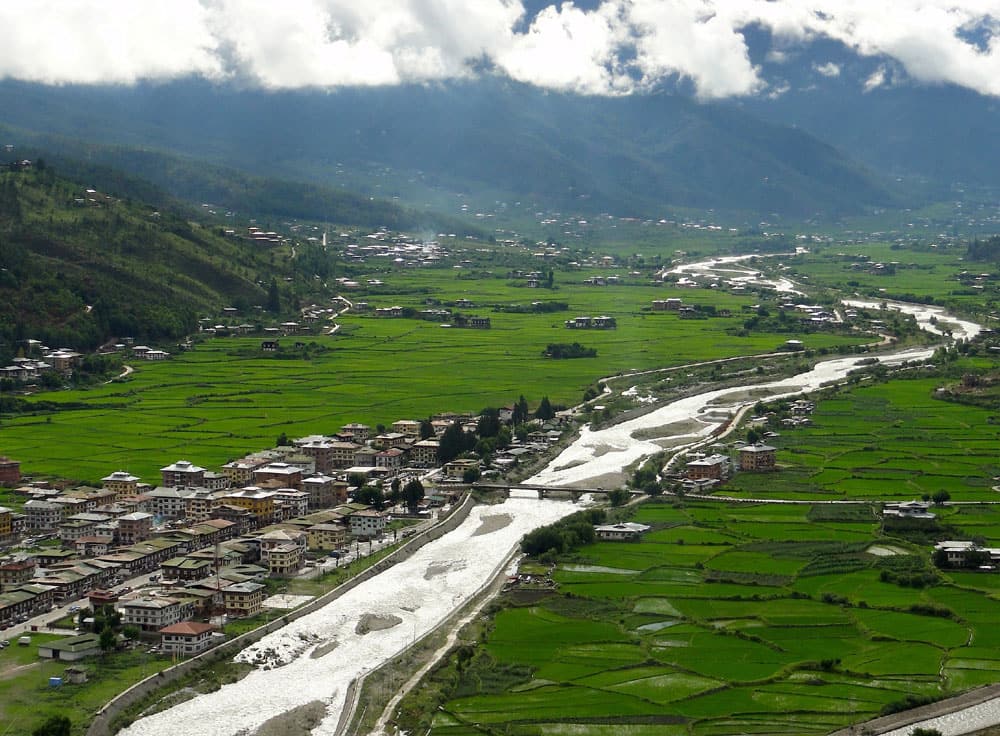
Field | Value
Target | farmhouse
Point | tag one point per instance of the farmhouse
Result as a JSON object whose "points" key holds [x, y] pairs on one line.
{"points": [[620, 531], [756, 457], [71, 648], [918, 510], [713, 467]]}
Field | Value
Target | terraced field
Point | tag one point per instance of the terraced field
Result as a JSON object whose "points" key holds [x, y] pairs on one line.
{"points": [[728, 619], [890, 440]]}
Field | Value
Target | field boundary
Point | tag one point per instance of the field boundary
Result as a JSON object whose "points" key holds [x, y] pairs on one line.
{"points": [[101, 725]]}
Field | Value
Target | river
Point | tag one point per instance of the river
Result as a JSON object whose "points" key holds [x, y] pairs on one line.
{"points": [[409, 599]]}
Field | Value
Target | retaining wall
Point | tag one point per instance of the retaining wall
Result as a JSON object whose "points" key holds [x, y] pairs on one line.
{"points": [[101, 725]]}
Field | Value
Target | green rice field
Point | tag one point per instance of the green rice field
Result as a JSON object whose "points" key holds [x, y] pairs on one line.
{"points": [[226, 398], [734, 619], [891, 440]]}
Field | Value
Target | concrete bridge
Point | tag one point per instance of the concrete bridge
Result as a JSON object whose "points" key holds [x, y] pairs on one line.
{"points": [[543, 491]]}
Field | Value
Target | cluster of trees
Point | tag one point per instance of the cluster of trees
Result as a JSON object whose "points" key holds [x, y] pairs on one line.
{"points": [[562, 350], [75, 274], [534, 307], [563, 536], [984, 250], [107, 624], [411, 494]]}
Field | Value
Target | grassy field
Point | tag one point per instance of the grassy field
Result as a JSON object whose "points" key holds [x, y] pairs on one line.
{"points": [[723, 619], [26, 698], [924, 272], [225, 398], [889, 440]]}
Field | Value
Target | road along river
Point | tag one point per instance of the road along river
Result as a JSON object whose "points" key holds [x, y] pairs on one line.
{"points": [[314, 659]]}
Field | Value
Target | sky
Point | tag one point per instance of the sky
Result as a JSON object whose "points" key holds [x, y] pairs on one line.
{"points": [[604, 47]]}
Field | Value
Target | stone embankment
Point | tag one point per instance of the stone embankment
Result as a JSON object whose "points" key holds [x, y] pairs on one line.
{"points": [[101, 725]]}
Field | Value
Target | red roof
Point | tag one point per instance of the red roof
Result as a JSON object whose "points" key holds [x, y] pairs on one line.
{"points": [[187, 628]]}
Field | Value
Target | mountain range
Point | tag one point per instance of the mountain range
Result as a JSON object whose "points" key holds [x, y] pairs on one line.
{"points": [[823, 139]]}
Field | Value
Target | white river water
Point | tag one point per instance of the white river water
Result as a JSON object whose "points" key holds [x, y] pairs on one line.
{"points": [[425, 589], [421, 591]]}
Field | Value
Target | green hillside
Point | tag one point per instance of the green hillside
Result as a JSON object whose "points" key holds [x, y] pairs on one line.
{"points": [[79, 267]]}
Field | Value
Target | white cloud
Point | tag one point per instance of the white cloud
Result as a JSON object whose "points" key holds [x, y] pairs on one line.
{"points": [[619, 47], [875, 80]]}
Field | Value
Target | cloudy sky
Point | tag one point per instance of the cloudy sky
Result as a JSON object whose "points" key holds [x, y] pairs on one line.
{"points": [[602, 46]]}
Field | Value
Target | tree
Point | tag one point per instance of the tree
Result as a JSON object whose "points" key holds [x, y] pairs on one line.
{"points": [[452, 443], [369, 495], [281, 440], [273, 297], [520, 413], [54, 726], [489, 423], [108, 639], [941, 497], [131, 633], [470, 474], [618, 496], [753, 436], [413, 493], [426, 429], [545, 410]]}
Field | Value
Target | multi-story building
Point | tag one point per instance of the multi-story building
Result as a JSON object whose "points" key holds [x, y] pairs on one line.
{"points": [[389, 439], [198, 504], [424, 453], [122, 484], [258, 502], [327, 536], [757, 457], [169, 502], [713, 467], [152, 614], [241, 518], [290, 503], [183, 473], [42, 515], [283, 560], [391, 458], [367, 523], [243, 599], [15, 573], [187, 638], [134, 527], [324, 491], [360, 432], [289, 476], [10, 471], [408, 427], [240, 472], [6, 524]]}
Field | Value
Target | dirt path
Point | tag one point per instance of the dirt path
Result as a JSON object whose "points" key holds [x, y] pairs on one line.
{"points": [[15, 670]]}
